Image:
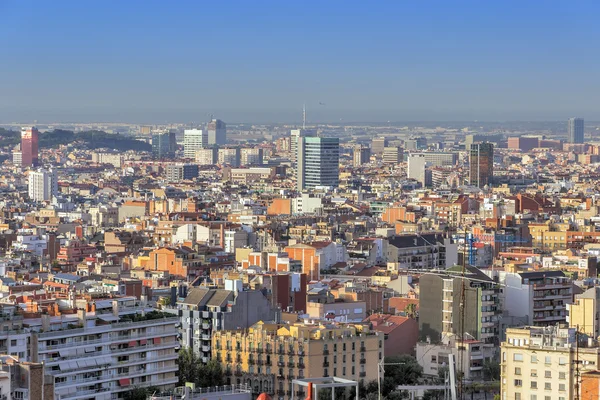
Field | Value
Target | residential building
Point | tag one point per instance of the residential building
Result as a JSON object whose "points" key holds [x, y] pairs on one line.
{"points": [[193, 140], [181, 172], [20, 379], [417, 169], [318, 162], [459, 303], [317, 256], [361, 155], [43, 184], [523, 143], [251, 156], [420, 251], [217, 132], [481, 164], [544, 362], [438, 158], [400, 334], [206, 311], [419, 143], [230, 156], [207, 156], [164, 144], [584, 313], [29, 146], [109, 352], [346, 311], [575, 130], [378, 145], [269, 356], [392, 155], [249, 175]]}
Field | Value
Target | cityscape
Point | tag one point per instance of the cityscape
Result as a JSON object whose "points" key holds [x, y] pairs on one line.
{"points": [[231, 227]]}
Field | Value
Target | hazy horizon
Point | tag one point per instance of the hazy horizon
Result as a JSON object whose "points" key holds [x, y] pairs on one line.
{"points": [[152, 62]]}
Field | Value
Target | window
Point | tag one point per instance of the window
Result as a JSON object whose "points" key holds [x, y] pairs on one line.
{"points": [[561, 375], [547, 386], [561, 387], [548, 360], [547, 374], [517, 357], [534, 372], [562, 360], [334, 348], [533, 384], [533, 397], [534, 359], [518, 383], [517, 371], [434, 359], [517, 396]]}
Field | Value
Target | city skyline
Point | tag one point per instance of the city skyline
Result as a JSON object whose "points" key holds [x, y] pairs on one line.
{"points": [[156, 64]]}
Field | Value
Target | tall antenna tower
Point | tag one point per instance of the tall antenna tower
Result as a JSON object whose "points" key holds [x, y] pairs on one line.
{"points": [[304, 116]]}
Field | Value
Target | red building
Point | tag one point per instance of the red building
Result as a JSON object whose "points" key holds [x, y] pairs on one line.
{"points": [[29, 146]]}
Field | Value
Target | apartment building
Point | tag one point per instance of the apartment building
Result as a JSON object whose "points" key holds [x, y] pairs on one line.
{"points": [[584, 313], [102, 354], [543, 362], [206, 310], [427, 251], [268, 357]]}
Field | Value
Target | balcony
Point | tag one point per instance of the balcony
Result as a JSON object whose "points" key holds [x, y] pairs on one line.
{"points": [[281, 392], [363, 349], [301, 365], [291, 352], [259, 351], [363, 360], [205, 336], [280, 377], [205, 326], [280, 364], [288, 393], [325, 352], [300, 393], [362, 374], [325, 364], [251, 362], [291, 364], [206, 349]]}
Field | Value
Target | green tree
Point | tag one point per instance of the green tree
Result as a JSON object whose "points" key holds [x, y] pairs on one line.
{"points": [[491, 370], [189, 365], [139, 393], [411, 310], [404, 371], [210, 374]]}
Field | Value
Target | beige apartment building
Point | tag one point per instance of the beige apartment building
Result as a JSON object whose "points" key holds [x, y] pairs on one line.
{"points": [[267, 357], [542, 363]]}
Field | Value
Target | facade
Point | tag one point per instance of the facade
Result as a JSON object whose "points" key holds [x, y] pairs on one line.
{"points": [[114, 159], [415, 144], [575, 131], [417, 169], [318, 162], [43, 184], [217, 132], [295, 135], [378, 144], [248, 175], [416, 251], [523, 143], [207, 156], [194, 139], [181, 172], [106, 356], [252, 156], [543, 362], [361, 156], [438, 158], [163, 144], [481, 164], [230, 157], [392, 155], [268, 357], [29, 146], [441, 314], [584, 314], [206, 311]]}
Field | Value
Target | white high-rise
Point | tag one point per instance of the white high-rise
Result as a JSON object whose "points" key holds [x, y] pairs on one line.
{"points": [[417, 167], [43, 184], [194, 139]]}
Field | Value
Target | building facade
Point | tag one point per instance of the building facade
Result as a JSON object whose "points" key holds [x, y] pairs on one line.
{"points": [[575, 130], [43, 184], [481, 164], [29, 146], [163, 144], [194, 139], [318, 162], [217, 132]]}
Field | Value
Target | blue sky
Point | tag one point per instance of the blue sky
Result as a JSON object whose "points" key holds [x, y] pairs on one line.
{"points": [[154, 61]]}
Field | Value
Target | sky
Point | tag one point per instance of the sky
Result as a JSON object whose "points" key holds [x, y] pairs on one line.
{"points": [[260, 61]]}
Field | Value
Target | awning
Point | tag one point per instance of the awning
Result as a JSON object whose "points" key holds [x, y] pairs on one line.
{"points": [[124, 382], [90, 349], [133, 343], [143, 342], [156, 340]]}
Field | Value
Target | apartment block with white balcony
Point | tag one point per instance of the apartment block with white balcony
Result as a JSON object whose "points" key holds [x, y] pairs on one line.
{"points": [[103, 360]]}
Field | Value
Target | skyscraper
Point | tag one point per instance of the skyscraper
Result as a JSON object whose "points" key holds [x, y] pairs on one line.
{"points": [[575, 130], [481, 164], [194, 139], [295, 135], [29, 147], [217, 132], [417, 168], [163, 144], [318, 162], [378, 144], [361, 156], [43, 184]]}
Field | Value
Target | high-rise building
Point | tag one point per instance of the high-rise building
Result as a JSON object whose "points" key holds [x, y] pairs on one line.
{"points": [[439, 158], [29, 146], [417, 169], [207, 156], [575, 130], [361, 155], [318, 162], [295, 135], [217, 132], [164, 144], [415, 144], [523, 143], [230, 157], [392, 155], [377, 145], [252, 156], [43, 184], [481, 164], [194, 139], [181, 172], [475, 312]]}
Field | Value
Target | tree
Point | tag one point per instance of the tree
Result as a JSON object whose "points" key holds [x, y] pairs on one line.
{"points": [[139, 393], [491, 370], [210, 374], [188, 364], [411, 310], [406, 371]]}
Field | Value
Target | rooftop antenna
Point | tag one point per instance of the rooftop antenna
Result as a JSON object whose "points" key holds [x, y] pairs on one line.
{"points": [[304, 116]]}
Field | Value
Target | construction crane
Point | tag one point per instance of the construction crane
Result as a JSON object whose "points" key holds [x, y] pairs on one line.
{"points": [[469, 239]]}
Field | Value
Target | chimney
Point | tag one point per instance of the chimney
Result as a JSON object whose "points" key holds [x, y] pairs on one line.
{"points": [[81, 317]]}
